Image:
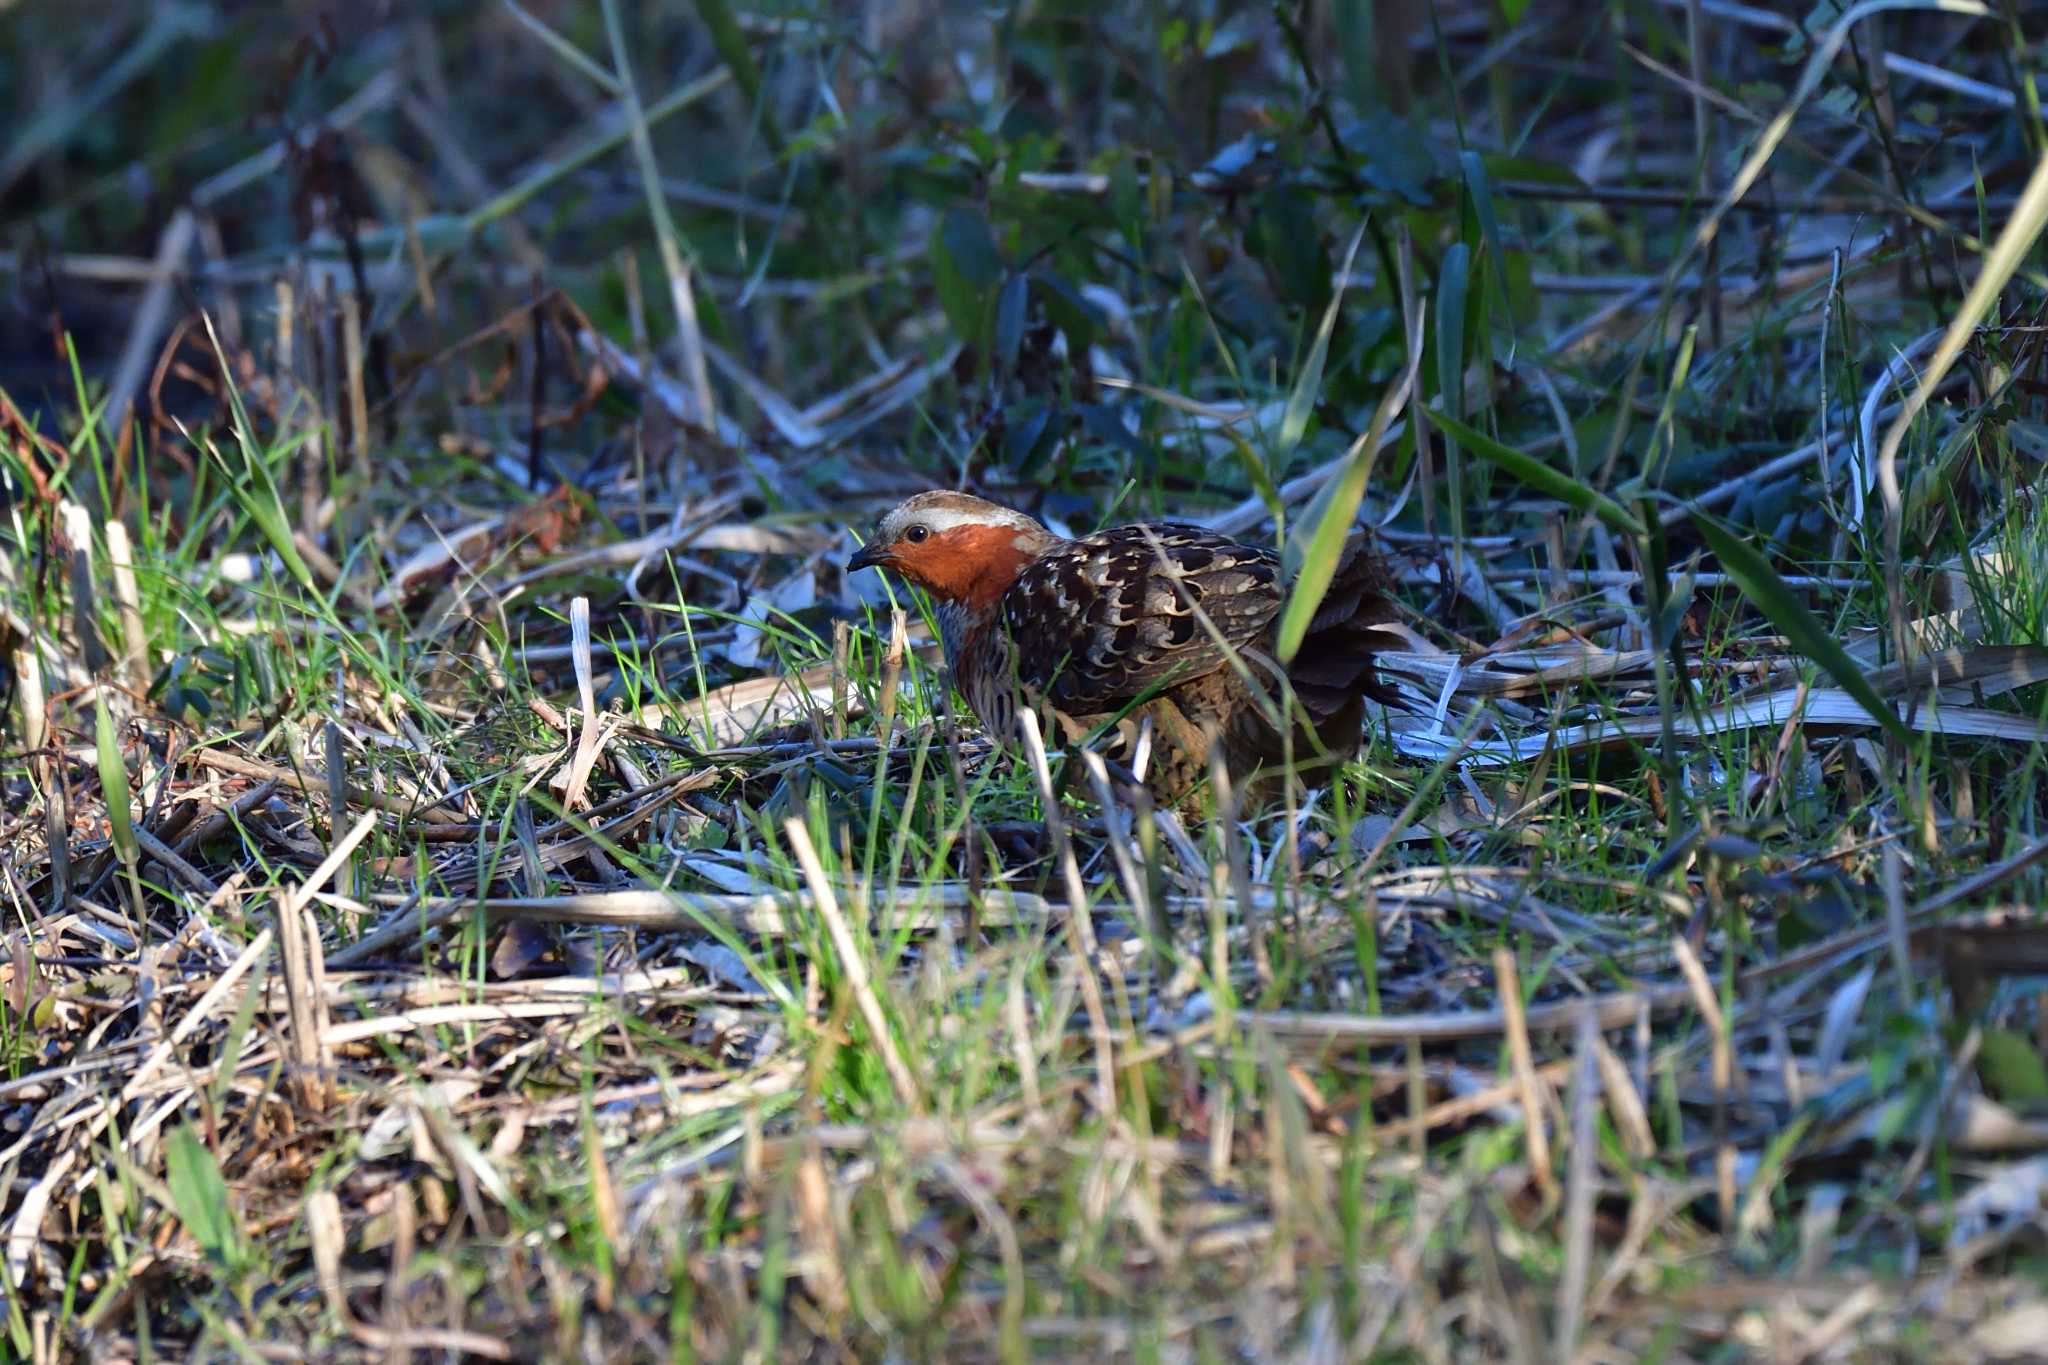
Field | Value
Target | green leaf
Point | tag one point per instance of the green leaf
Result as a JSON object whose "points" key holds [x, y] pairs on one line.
{"points": [[1540, 476], [198, 1194], [1354, 24], [972, 246], [114, 784], [965, 269], [1314, 569], [1760, 583], [1535, 170], [1286, 237], [1451, 310], [731, 43], [1770, 1168], [238, 1030], [1106, 424], [1452, 280], [1069, 311], [1255, 473], [1024, 427], [1479, 195], [1127, 201], [1010, 319], [2013, 1069], [1394, 156], [1893, 1116]]}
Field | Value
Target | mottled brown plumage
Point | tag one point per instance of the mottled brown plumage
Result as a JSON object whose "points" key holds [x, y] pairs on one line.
{"points": [[1158, 621]]}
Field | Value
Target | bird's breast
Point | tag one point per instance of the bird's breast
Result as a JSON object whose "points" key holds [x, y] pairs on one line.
{"points": [[982, 659]]}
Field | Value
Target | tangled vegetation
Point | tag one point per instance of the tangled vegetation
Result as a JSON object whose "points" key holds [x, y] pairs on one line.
{"points": [[482, 882]]}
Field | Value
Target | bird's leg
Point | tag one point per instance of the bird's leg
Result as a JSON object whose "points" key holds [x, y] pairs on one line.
{"points": [[1180, 754]]}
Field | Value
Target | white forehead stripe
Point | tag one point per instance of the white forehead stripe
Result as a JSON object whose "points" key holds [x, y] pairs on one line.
{"points": [[939, 516], [949, 518]]}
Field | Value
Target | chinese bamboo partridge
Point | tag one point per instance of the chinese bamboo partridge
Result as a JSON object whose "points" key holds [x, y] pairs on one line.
{"points": [[1156, 620]]}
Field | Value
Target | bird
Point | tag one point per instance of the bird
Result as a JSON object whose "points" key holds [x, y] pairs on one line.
{"points": [[1154, 621]]}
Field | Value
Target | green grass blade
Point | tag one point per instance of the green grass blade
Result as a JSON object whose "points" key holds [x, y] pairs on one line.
{"points": [[114, 784], [1760, 583], [1453, 281], [731, 43], [1539, 476], [198, 1194], [1308, 385], [1339, 509], [2029, 220], [254, 487]]}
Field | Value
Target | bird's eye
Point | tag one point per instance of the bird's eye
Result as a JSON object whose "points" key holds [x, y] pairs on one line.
{"points": [[916, 534]]}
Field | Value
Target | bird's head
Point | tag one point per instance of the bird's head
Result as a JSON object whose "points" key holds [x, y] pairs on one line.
{"points": [[956, 547]]}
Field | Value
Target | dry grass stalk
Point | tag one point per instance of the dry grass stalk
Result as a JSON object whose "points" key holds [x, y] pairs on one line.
{"points": [[1612, 1011], [128, 599], [1624, 1102], [305, 975], [654, 1037], [1121, 842], [352, 362], [336, 759], [842, 641], [572, 780], [1723, 1072], [767, 914], [1423, 1118], [173, 862], [1581, 1169], [818, 1233], [853, 962], [33, 708], [314, 783], [328, 1238], [84, 588], [298, 942], [1238, 860], [1535, 1119], [1078, 922], [1021, 1047]]}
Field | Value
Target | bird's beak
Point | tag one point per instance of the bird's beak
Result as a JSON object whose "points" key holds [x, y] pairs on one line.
{"points": [[873, 555]]}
